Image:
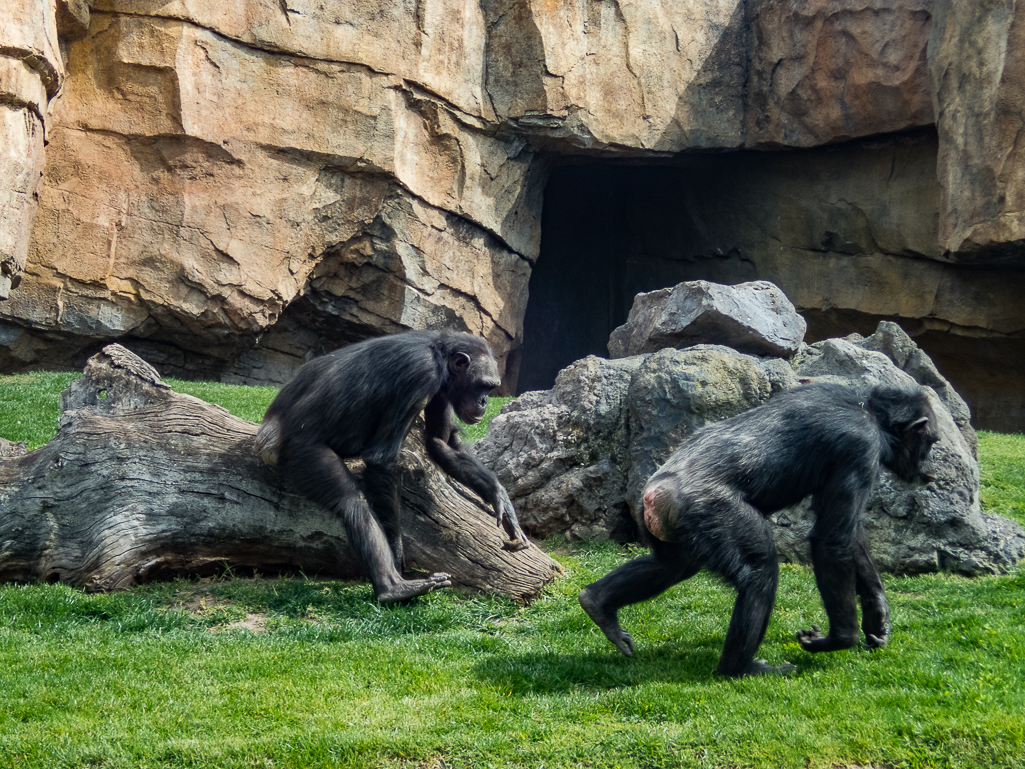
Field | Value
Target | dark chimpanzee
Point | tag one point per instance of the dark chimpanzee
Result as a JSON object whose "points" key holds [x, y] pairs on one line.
{"points": [[361, 401], [707, 508]]}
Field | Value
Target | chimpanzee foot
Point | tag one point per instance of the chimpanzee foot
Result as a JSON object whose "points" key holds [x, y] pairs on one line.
{"points": [[411, 588], [763, 668], [609, 624], [810, 638], [813, 641], [875, 642]]}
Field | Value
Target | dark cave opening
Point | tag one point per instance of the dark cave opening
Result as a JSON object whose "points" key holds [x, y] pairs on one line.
{"points": [[610, 232], [838, 222]]}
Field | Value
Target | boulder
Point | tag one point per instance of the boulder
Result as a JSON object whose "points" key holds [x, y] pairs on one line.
{"points": [[607, 425], [675, 392], [893, 342], [910, 530], [562, 454], [754, 317]]}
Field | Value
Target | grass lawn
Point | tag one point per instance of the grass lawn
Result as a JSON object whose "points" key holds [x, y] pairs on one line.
{"points": [[242, 672]]}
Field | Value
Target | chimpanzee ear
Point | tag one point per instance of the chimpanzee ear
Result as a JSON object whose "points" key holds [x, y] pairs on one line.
{"points": [[459, 362], [920, 425]]}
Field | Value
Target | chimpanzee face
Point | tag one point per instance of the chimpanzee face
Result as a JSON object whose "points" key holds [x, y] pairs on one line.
{"points": [[473, 379], [475, 403], [912, 452]]}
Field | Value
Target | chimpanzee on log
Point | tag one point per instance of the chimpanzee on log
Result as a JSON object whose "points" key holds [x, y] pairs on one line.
{"points": [[361, 401], [707, 506]]}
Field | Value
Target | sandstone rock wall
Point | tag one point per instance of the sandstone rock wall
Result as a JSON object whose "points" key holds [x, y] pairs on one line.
{"points": [[198, 184], [977, 62], [828, 70], [31, 73], [230, 189]]}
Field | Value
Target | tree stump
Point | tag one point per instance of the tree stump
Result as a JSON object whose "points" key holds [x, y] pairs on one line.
{"points": [[142, 483]]}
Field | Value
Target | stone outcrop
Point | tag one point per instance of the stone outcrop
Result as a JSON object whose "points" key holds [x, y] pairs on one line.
{"points": [[575, 459], [31, 73], [675, 392], [755, 318], [977, 62], [231, 189], [824, 71], [562, 453], [235, 179], [911, 530]]}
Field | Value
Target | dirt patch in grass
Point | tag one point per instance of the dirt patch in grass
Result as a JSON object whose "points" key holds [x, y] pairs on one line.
{"points": [[202, 603], [254, 623]]}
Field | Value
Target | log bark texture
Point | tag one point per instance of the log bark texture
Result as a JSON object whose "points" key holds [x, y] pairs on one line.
{"points": [[143, 483]]}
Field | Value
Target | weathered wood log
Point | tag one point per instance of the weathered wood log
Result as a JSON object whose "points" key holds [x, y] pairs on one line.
{"points": [[143, 483]]}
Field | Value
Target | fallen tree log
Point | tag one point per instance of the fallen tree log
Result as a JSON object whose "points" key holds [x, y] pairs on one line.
{"points": [[142, 483]]}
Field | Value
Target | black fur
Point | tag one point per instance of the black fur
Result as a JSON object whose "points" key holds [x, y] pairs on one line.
{"points": [[706, 507], [361, 401]]}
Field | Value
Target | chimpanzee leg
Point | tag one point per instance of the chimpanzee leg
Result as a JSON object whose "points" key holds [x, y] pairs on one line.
{"points": [[748, 560], [382, 491], [875, 611], [633, 582], [835, 577], [322, 476]]}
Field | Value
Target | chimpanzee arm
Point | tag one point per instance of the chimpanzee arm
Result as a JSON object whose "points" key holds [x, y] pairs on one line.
{"points": [[446, 448], [875, 612], [835, 548]]}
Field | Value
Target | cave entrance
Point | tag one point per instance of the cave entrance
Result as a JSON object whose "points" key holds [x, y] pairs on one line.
{"points": [[609, 232], [848, 232]]}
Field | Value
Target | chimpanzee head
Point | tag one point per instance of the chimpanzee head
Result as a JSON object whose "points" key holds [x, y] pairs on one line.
{"points": [[473, 374], [907, 418]]}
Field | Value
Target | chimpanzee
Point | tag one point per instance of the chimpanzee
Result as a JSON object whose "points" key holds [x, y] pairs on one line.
{"points": [[706, 507], [361, 401]]}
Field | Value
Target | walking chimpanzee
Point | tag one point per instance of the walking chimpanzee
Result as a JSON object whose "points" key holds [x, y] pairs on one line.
{"points": [[707, 506], [361, 401]]}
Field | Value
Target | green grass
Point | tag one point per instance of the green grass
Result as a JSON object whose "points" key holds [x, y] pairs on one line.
{"points": [[234, 672], [249, 403], [473, 433], [1002, 466], [30, 405], [166, 676]]}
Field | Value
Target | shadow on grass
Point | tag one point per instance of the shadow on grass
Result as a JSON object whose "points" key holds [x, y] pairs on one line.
{"points": [[682, 661], [553, 672]]}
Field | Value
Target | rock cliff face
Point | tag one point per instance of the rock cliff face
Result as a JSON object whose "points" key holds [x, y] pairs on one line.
{"points": [[31, 72], [231, 189]]}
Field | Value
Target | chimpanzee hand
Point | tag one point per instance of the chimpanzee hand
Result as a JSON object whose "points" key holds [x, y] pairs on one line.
{"points": [[505, 513]]}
